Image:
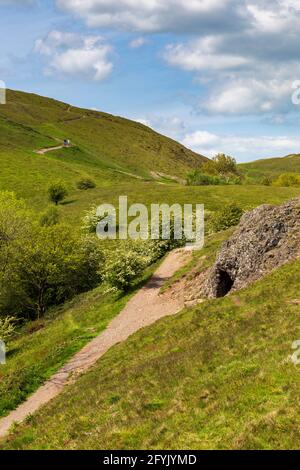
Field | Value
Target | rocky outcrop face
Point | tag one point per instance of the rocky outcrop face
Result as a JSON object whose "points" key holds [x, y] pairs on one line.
{"points": [[265, 239]]}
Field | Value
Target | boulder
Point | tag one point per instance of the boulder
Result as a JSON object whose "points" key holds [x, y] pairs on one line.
{"points": [[266, 238]]}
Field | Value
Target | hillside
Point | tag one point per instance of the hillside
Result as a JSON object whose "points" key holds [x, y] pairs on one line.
{"points": [[28, 122], [113, 152], [216, 376], [271, 167], [186, 371]]}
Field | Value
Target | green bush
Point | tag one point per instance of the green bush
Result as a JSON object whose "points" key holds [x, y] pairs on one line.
{"points": [[43, 265], [124, 266], [57, 192], [49, 217], [51, 266], [266, 181], [287, 180], [91, 220], [208, 176], [7, 328], [85, 184], [227, 217], [197, 178]]}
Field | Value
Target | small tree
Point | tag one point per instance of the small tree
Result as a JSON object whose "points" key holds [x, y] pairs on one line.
{"points": [[225, 164], [57, 192]]}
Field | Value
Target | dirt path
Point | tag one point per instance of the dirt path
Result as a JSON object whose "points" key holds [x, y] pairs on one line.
{"points": [[145, 308], [49, 149]]}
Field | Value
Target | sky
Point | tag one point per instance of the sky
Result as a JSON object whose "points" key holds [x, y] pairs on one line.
{"points": [[216, 75]]}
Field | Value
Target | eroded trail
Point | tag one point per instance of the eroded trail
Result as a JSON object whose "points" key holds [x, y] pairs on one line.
{"points": [[145, 308], [49, 149]]}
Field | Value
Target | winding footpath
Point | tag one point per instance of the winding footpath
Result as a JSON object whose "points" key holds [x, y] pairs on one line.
{"points": [[146, 307]]}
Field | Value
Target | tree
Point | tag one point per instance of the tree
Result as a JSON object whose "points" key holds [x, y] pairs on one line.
{"points": [[57, 192], [54, 265], [225, 165]]}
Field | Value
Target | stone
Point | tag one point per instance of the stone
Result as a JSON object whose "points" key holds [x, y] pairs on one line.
{"points": [[266, 238]]}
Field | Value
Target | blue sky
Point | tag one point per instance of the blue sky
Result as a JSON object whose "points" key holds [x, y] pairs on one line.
{"points": [[216, 75]]}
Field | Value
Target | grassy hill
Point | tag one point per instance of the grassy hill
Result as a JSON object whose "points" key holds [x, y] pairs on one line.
{"points": [[211, 376], [214, 376], [271, 167], [118, 154], [101, 141]]}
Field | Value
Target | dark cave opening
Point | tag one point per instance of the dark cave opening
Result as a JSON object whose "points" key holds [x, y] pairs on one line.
{"points": [[225, 283]]}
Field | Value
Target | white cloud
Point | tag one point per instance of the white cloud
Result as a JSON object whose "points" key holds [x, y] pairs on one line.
{"points": [[249, 96], [166, 124], [201, 54], [138, 42], [247, 51], [147, 15], [75, 55], [245, 148]]}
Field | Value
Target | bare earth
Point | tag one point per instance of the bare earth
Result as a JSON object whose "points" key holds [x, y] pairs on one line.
{"points": [[49, 149], [145, 308]]}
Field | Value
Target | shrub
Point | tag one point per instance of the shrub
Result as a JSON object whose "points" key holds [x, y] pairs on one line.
{"points": [[57, 192], [266, 181], [41, 265], [49, 217], [85, 184], [90, 221], [227, 217], [123, 267], [53, 266], [7, 328], [288, 179], [197, 178]]}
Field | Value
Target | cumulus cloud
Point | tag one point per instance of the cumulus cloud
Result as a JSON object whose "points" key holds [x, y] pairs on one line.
{"points": [[138, 42], [170, 125], [245, 148], [150, 15], [247, 50], [76, 55]]}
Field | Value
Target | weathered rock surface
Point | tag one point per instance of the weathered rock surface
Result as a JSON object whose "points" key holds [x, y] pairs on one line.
{"points": [[265, 239]]}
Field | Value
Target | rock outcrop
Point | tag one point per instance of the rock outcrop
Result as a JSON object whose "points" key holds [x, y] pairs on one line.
{"points": [[265, 239]]}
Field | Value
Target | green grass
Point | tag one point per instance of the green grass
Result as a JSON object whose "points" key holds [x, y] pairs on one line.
{"points": [[41, 347], [28, 122], [217, 376], [271, 167], [104, 146]]}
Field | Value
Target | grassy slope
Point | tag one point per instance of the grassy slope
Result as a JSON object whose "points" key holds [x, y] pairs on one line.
{"points": [[271, 167], [32, 122], [43, 346], [215, 376], [102, 143], [103, 140]]}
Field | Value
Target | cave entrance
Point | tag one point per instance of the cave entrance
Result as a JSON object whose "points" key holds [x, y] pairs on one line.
{"points": [[225, 283]]}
